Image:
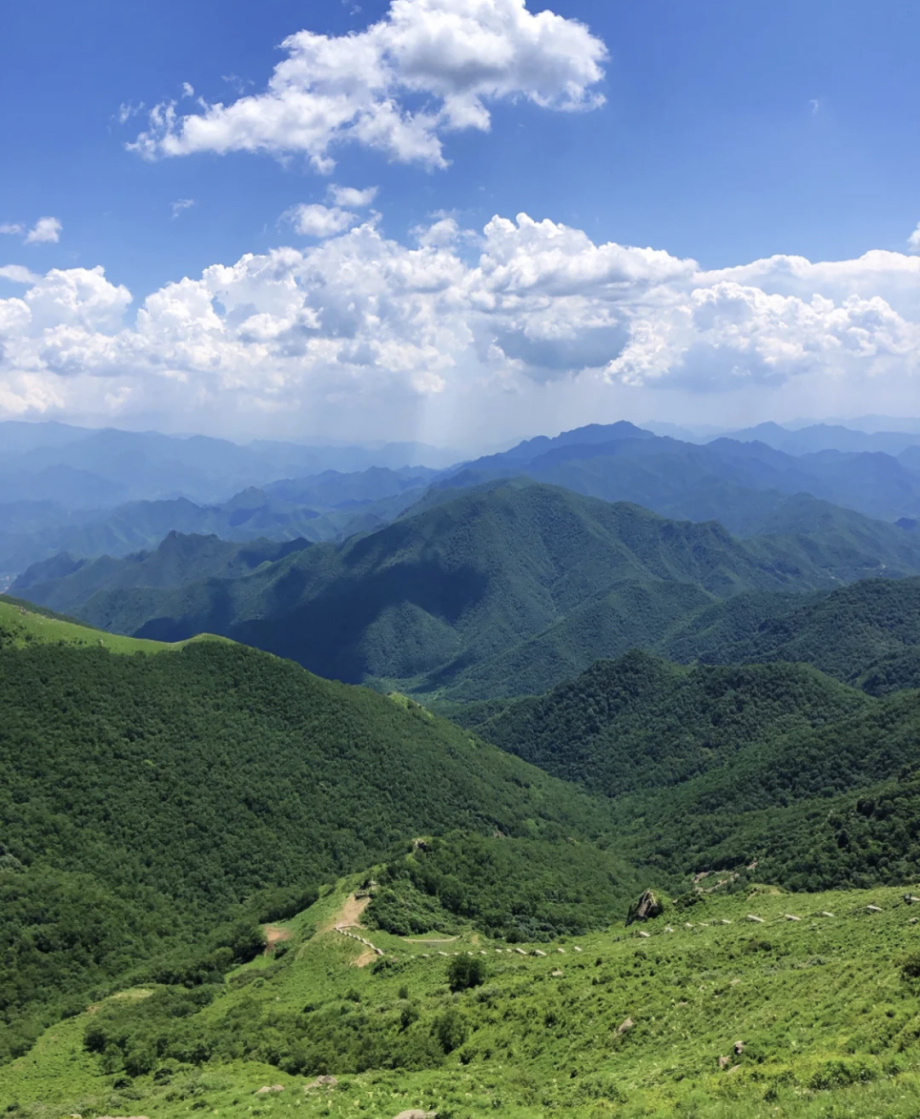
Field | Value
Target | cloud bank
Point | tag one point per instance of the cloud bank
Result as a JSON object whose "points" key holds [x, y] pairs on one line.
{"points": [[360, 325], [427, 68]]}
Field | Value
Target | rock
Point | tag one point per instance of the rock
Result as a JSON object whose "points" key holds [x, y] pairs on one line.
{"points": [[911, 900], [557, 974], [537, 952], [646, 908], [724, 1062], [576, 949], [520, 951], [561, 951], [269, 1088], [791, 917], [751, 917], [825, 913], [645, 934], [321, 1082], [414, 1113], [625, 1026], [739, 1048], [873, 909]]}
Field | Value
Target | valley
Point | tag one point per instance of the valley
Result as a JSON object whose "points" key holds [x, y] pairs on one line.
{"points": [[334, 825]]}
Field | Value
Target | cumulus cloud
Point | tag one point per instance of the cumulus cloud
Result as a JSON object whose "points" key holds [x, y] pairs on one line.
{"points": [[316, 220], [360, 321], [913, 241], [45, 231], [351, 196], [18, 274], [426, 68]]}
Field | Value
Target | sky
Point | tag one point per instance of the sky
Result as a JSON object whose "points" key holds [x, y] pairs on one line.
{"points": [[457, 221]]}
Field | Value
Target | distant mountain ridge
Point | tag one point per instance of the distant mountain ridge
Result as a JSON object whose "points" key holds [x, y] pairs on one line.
{"points": [[327, 506], [728, 480]]}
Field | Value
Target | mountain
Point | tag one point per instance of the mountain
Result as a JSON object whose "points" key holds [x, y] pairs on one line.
{"points": [[643, 723], [736, 483], [867, 633], [64, 583], [826, 437], [89, 468], [513, 586], [328, 506], [149, 797], [775, 767]]}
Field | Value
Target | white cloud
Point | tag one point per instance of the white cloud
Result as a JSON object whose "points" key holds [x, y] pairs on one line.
{"points": [[45, 231], [18, 274], [12, 228], [181, 204], [127, 110], [351, 196], [913, 241], [455, 56], [316, 220], [361, 329]]}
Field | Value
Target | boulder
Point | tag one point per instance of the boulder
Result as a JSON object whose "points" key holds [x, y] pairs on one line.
{"points": [[646, 908]]}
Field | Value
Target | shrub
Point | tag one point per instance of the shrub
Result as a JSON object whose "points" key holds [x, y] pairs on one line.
{"points": [[465, 972]]}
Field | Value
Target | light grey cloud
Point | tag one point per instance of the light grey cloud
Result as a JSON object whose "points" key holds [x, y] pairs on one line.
{"points": [[182, 204]]}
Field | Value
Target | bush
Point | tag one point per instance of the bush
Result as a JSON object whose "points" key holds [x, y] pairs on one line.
{"points": [[465, 972]]}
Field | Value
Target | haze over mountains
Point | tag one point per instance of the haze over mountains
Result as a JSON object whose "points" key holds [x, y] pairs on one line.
{"points": [[107, 492]]}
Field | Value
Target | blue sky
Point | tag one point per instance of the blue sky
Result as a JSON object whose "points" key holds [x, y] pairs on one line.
{"points": [[714, 132]]}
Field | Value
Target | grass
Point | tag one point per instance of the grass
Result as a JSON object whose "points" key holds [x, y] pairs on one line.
{"points": [[22, 625], [828, 1024]]}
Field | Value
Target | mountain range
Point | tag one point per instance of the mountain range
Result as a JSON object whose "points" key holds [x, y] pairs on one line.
{"points": [[504, 589]]}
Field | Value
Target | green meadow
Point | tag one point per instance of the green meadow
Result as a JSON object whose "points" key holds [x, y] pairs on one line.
{"points": [[701, 1012]]}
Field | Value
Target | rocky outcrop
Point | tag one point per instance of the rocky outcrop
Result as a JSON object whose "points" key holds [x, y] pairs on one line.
{"points": [[646, 908]]}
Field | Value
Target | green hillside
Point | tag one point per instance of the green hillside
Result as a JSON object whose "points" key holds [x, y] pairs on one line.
{"points": [[22, 624], [148, 800], [866, 634], [776, 765], [756, 1004], [64, 583], [497, 591], [643, 723]]}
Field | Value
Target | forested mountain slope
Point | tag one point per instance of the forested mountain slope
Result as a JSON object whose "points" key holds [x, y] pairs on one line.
{"points": [[866, 634], [505, 589], [65, 583], [146, 799], [728, 766]]}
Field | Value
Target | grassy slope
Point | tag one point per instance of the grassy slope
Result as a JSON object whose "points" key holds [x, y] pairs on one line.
{"points": [[22, 624], [829, 1026]]}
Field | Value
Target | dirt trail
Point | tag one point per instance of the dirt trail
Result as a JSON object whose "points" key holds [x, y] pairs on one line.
{"points": [[350, 914], [273, 937]]}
